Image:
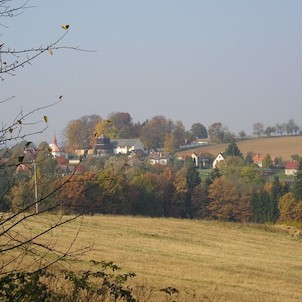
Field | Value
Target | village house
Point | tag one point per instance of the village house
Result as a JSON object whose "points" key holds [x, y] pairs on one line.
{"points": [[103, 146], [258, 160], [200, 160], [126, 145], [220, 157], [291, 168], [160, 158], [106, 146]]}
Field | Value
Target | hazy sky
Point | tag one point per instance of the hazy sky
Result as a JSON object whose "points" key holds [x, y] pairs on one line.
{"points": [[237, 62]]}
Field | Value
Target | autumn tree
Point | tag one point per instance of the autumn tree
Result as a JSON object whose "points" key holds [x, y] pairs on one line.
{"points": [[122, 123], [178, 200], [80, 133], [154, 131], [290, 208], [104, 128], [229, 202], [169, 143]]}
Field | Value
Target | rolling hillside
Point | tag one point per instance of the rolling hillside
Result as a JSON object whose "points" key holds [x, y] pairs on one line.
{"points": [[283, 146], [204, 260]]}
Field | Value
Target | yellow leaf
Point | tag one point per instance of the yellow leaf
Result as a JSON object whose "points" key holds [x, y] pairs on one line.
{"points": [[45, 119], [65, 26], [50, 52]]}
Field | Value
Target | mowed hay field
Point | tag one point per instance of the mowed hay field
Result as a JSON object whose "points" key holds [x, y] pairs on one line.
{"points": [[205, 260], [283, 146]]}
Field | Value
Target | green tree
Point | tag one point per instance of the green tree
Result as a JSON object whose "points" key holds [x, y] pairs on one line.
{"points": [[179, 134], [267, 161], [251, 174], [262, 210], [258, 129], [149, 201], [216, 132], [232, 149], [198, 130], [200, 201], [46, 164], [297, 186]]}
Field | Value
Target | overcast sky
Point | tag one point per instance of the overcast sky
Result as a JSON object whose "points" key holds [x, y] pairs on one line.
{"points": [[237, 62]]}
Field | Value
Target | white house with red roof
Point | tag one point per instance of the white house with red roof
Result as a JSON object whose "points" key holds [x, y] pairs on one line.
{"points": [[259, 158], [292, 167]]}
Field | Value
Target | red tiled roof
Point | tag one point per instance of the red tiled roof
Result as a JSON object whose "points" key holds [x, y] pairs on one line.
{"points": [[258, 158], [292, 165]]}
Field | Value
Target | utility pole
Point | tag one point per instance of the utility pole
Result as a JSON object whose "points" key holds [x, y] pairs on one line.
{"points": [[34, 153], [36, 186]]}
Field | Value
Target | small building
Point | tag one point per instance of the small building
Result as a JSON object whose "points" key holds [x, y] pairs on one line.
{"points": [[291, 168], [55, 149], [103, 146], [200, 160], [160, 158], [258, 160], [220, 157], [125, 145]]}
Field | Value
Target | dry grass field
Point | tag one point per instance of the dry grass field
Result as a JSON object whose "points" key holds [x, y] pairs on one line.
{"points": [[283, 146], [205, 260]]}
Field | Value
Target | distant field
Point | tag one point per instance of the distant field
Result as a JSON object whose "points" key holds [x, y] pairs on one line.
{"points": [[205, 260], [283, 146]]}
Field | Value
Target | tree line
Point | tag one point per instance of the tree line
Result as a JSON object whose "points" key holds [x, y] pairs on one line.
{"points": [[237, 191], [157, 132], [289, 128]]}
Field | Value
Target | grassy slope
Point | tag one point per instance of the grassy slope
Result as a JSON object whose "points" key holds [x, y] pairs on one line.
{"points": [[283, 146], [221, 261]]}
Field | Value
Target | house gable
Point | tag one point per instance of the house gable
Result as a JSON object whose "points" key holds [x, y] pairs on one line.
{"points": [[160, 158], [291, 168], [124, 146], [220, 157]]}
